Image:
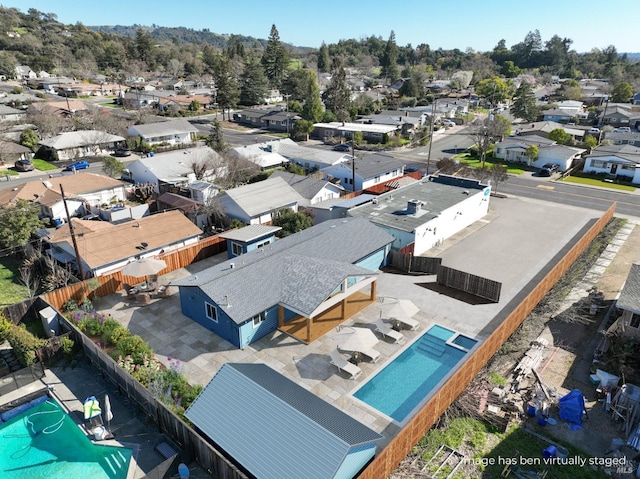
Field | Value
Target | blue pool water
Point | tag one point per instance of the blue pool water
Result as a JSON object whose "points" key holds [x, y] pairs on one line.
{"points": [[410, 377], [45, 442]]}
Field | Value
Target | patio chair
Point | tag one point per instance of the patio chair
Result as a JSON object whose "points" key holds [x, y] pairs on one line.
{"points": [[371, 353], [387, 332], [142, 299], [343, 365], [409, 323]]}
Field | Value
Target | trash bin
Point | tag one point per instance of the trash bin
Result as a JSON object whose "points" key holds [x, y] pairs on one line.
{"points": [[549, 452], [532, 408], [183, 471]]}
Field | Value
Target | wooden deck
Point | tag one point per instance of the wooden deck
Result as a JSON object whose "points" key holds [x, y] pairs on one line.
{"points": [[325, 322]]}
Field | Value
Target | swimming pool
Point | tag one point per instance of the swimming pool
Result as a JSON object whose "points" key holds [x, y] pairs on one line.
{"points": [[45, 442], [405, 382]]}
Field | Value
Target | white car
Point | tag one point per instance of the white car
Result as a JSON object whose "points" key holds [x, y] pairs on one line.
{"points": [[623, 129], [448, 123]]}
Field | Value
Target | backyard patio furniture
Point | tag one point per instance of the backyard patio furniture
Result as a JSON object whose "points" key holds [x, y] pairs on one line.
{"points": [[409, 323], [343, 365], [142, 299], [387, 332], [371, 353]]}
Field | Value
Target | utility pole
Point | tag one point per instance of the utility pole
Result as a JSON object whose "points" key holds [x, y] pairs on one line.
{"points": [[353, 165], [286, 97], [433, 117], [73, 236]]}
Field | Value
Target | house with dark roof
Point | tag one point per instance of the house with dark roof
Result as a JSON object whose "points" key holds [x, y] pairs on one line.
{"points": [[514, 149], [271, 119], [311, 159], [629, 302], [424, 214], [174, 132], [370, 170], [289, 284], [623, 138], [11, 114], [311, 189], [543, 128], [336, 129], [618, 160], [557, 114], [256, 203], [297, 434]]}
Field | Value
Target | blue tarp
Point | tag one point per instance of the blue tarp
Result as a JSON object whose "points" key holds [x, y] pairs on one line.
{"points": [[572, 407]]}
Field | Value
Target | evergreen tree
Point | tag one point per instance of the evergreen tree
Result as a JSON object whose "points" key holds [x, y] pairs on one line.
{"points": [[253, 83], [227, 90], [324, 63], [389, 61], [524, 105], [312, 109], [275, 59], [337, 97], [216, 140], [622, 93]]}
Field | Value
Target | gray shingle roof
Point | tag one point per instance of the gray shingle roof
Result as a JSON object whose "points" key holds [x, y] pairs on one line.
{"points": [[378, 164], [296, 433], [306, 186], [162, 128], [629, 298], [74, 139], [263, 196], [262, 278]]}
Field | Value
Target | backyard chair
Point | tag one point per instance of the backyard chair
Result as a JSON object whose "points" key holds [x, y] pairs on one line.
{"points": [[343, 365], [409, 323], [371, 353], [387, 332], [142, 299]]}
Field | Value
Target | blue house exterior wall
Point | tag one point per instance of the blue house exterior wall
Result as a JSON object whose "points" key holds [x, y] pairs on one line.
{"points": [[249, 333], [355, 461], [374, 261], [193, 302], [247, 247]]}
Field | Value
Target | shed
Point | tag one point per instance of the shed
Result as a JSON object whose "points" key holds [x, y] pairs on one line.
{"points": [[275, 429]]}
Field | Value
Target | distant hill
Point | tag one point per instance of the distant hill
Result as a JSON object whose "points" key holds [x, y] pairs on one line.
{"points": [[633, 56]]}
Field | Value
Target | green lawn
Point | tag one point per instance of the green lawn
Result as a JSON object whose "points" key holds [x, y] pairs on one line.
{"points": [[5, 172], [583, 180], [475, 162], [11, 291], [43, 165]]}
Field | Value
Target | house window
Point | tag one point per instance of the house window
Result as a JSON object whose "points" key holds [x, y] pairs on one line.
{"points": [[598, 163], [236, 249], [258, 319], [211, 311], [377, 179], [262, 243], [634, 322]]}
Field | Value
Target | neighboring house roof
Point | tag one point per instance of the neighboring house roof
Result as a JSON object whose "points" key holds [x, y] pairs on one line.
{"points": [[357, 127], [119, 242], [629, 298], [7, 110], [561, 150], [263, 196], [388, 120], [390, 209], [68, 106], [627, 153], [300, 271], [619, 111], [76, 139], [297, 433], [622, 138], [260, 154], [547, 127], [9, 147], [307, 187], [74, 185], [164, 128], [175, 165], [293, 151], [376, 164], [250, 233], [558, 112], [524, 141], [175, 201]]}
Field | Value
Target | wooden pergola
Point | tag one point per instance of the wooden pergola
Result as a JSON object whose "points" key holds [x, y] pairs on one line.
{"points": [[334, 311]]}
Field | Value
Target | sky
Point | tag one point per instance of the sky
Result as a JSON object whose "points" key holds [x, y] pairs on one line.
{"points": [[475, 24]]}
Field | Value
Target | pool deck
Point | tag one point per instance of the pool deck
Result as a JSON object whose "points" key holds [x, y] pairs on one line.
{"points": [[517, 239]]}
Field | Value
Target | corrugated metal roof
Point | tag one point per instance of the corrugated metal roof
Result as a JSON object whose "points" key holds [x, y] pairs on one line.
{"points": [[245, 288], [630, 295], [273, 427]]}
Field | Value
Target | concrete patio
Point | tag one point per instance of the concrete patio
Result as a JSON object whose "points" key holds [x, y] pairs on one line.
{"points": [[512, 244]]}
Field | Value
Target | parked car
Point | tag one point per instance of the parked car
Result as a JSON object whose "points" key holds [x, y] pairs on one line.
{"points": [[77, 165], [342, 147], [594, 131], [24, 165], [448, 123], [623, 129], [548, 169], [122, 152]]}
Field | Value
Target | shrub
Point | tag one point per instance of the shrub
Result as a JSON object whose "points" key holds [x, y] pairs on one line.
{"points": [[67, 345], [118, 335], [134, 346], [24, 344]]}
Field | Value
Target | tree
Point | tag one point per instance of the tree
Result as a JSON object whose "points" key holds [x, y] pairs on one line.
{"points": [[622, 93], [498, 174], [17, 223], [524, 104], [494, 89], [389, 61], [227, 93], [253, 83], [312, 109], [291, 222], [275, 59], [590, 142], [301, 130], [337, 96], [559, 136], [570, 90], [216, 139], [112, 167], [532, 152], [488, 132], [324, 63], [29, 139]]}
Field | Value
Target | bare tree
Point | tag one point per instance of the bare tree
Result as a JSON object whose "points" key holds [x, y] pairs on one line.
{"points": [[57, 276], [206, 164], [237, 171], [30, 280], [498, 174], [487, 132]]}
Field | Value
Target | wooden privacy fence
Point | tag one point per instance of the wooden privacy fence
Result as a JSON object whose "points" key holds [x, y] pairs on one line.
{"points": [[414, 264], [111, 283], [469, 283], [387, 460], [194, 447]]}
